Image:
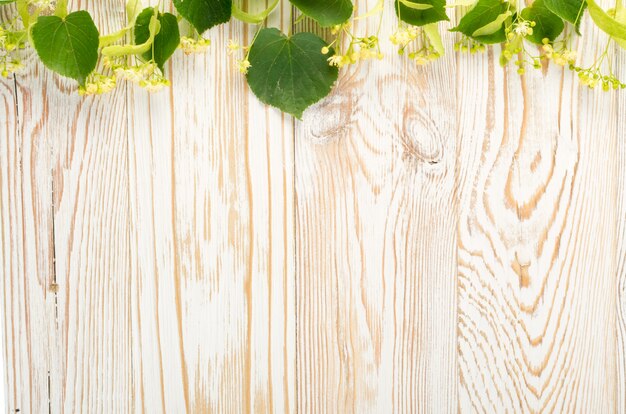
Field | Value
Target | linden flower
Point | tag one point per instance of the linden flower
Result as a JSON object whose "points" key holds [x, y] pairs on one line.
{"points": [[404, 35], [523, 28], [424, 57], [233, 46], [338, 60], [562, 58], [190, 45], [337, 28], [137, 73], [11, 66], [97, 84], [154, 83], [243, 65]]}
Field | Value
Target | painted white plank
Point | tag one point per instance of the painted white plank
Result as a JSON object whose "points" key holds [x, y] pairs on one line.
{"points": [[376, 238], [212, 239], [65, 215], [537, 259]]}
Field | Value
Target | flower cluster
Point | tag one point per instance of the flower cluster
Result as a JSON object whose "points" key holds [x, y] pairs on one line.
{"points": [[562, 57], [242, 64], [403, 36], [414, 39], [592, 77], [97, 84], [146, 74], [466, 44], [9, 46], [190, 45], [359, 48]]}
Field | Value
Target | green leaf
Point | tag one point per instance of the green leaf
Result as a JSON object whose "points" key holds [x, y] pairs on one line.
{"points": [[569, 10], [325, 12], [67, 46], [482, 15], [6, 1], [204, 14], [548, 25], [290, 73], [494, 26], [421, 12], [165, 42], [608, 24]]}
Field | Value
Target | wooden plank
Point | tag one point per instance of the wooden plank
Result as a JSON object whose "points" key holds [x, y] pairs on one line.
{"points": [[376, 238], [212, 241], [537, 234], [65, 235], [26, 238], [621, 240]]}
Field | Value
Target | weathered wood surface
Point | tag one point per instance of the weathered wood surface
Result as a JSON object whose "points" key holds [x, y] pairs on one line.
{"points": [[440, 239]]}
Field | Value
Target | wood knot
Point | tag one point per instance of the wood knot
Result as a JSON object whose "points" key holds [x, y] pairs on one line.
{"points": [[421, 139], [330, 119]]}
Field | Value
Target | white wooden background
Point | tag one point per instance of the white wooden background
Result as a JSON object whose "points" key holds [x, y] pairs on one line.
{"points": [[440, 239]]}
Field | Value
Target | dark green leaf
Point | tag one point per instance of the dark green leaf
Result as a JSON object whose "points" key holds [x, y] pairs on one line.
{"points": [[484, 13], [204, 14], [290, 73], [67, 46], [570, 10], [6, 2], [548, 25], [418, 16], [165, 42], [325, 12]]}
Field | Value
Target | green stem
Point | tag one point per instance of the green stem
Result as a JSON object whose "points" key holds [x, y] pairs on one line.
{"points": [[253, 18]]}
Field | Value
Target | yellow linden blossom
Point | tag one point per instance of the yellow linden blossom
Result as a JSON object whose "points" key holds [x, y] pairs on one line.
{"points": [[563, 57], [190, 45], [233, 46], [243, 65], [404, 35], [154, 83], [8, 62], [524, 28], [97, 84], [338, 60], [136, 73]]}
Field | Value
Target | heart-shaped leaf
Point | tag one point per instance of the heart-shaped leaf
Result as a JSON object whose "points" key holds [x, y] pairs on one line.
{"points": [[421, 12], [483, 15], [326, 12], [548, 25], [570, 10], [68, 46], [166, 40], [290, 73], [204, 14]]}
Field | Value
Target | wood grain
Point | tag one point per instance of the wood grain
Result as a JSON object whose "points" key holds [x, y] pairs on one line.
{"points": [[211, 174], [376, 220], [65, 236], [440, 239], [620, 58], [537, 237]]}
